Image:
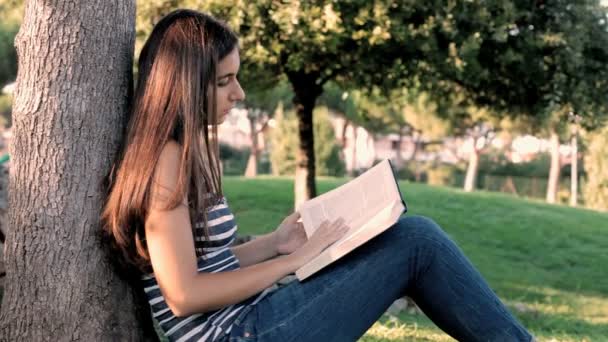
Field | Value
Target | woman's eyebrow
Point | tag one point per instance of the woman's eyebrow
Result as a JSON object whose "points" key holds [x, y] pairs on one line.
{"points": [[226, 75]]}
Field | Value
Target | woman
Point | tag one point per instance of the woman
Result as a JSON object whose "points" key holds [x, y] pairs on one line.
{"points": [[167, 214]]}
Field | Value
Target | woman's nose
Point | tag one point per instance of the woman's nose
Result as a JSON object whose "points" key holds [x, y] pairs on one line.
{"points": [[238, 94]]}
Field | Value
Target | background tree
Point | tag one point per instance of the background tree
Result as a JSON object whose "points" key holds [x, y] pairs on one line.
{"points": [[340, 101], [405, 112], [8, 55], [283, 146], [577, 77], [12, 11], [72, 93], [477, 125], [574, 123], [428, 129], [262, 98], [497, 52]]}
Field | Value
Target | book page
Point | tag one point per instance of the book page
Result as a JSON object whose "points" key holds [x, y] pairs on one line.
{"points": [[356, 201], [382, 221]]}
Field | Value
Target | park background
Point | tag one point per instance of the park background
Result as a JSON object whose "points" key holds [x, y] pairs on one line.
{"points": [[494, 113]]}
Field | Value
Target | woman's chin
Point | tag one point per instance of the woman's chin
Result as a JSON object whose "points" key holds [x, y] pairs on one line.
{"points": [[220, 120]]}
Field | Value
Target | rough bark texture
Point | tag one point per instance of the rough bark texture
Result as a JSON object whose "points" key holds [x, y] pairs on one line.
{"points": [[553, 181], [306, 92], [73, 88]]}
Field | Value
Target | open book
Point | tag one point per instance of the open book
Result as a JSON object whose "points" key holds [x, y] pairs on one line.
{"points": [[370, 204]]}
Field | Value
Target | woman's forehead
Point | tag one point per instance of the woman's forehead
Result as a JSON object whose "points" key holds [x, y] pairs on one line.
{"points": [[229, 64]]}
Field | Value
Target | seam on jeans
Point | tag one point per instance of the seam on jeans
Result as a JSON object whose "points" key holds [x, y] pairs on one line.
{"points": [[441, 246], [302, 308], [330, 287], [454, 254]]}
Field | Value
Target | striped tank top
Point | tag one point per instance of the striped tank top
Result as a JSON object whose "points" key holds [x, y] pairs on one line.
{"points": [[213, 325]]}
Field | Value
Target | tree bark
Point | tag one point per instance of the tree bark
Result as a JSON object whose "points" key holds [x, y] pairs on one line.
{"points": [[574, 169], [73, 90], [472, 168], [306, 92], [553, 182], [252, 163]]}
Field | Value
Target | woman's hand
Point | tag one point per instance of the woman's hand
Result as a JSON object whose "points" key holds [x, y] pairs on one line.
{"points": [[290, 235], [323, 237]]}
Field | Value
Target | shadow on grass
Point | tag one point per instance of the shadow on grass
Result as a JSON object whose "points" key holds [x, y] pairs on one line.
{"points": [[555, 312], [546, 327]]}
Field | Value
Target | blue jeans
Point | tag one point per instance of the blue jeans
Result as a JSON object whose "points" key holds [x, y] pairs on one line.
{"points": [[416, 258]]}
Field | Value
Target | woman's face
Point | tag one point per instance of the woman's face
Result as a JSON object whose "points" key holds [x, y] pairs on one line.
{"points": [[229, 89]]}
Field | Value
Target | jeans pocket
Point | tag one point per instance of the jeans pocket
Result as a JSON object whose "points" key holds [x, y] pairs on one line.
{"points": [[244, 326]]}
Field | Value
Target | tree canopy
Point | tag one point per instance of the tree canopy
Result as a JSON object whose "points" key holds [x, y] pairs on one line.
{"points": [[529, 59]]}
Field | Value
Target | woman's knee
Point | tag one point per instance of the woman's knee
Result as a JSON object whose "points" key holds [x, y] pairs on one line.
{"points": [[419, 227]]}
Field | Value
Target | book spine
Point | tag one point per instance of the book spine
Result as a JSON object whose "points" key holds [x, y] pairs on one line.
{"points": [[390, 163]]}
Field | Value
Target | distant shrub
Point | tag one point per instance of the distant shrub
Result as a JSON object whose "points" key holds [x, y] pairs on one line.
{"points": [[496, 163], [445, 175], [406, 172], [234, 160], [595, 190], [432, 173]]}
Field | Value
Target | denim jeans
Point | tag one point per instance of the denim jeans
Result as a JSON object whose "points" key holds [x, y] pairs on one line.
{"points": [[416, 258]]}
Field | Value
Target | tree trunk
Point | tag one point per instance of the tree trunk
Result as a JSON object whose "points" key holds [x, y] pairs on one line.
{"points": [[416, 137], [574, 169], [306, 91], [252, 163], [344, 143], [398, 157], [72, 93], [353, 170], [472, 168], [344, 128], [553, 181]]}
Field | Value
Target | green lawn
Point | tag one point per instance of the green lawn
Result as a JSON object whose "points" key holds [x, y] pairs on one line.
{"points": [[544, 261]]}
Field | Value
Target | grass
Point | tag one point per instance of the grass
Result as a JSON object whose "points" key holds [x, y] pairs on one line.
{"points": [[546, 262]]}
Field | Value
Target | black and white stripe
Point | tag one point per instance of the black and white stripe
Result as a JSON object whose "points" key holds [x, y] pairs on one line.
{"points": [[217, 257]]}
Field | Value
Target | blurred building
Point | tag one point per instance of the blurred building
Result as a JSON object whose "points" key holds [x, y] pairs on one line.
{"points": [[361, 148], [236, 130]]}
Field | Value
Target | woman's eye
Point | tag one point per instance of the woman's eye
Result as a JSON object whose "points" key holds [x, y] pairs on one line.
{"points": [[223, 83]]}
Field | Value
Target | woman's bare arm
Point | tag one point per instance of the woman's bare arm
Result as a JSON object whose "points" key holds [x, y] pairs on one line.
{"points": [[186, 291], [257, 250], [171, 248]]}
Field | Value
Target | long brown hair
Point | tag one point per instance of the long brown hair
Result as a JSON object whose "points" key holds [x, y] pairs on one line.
{"points": [[177, 65]]}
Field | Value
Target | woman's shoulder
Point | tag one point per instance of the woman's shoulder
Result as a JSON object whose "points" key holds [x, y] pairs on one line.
{"points": [[167, 168], [171, 152], [166, 173]]}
